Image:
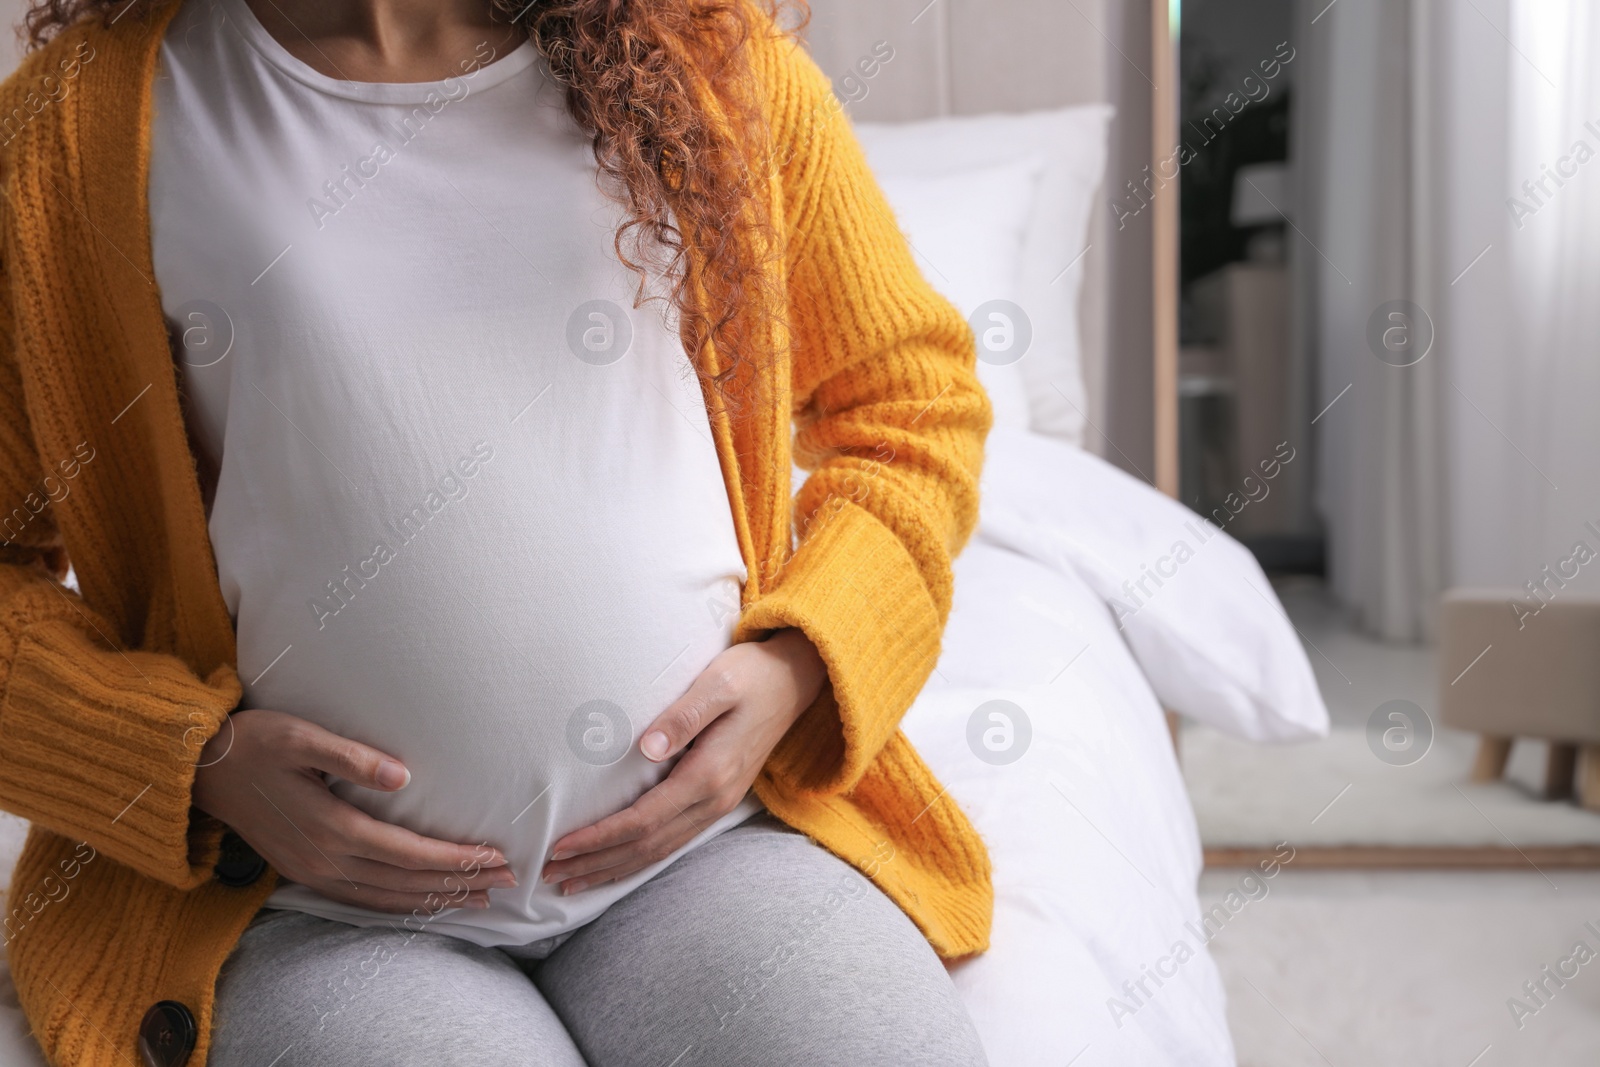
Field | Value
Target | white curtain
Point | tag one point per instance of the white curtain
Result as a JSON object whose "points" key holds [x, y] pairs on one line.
{"points": [[1524, 431], [1549, 367], [1445, 141], [1365, 129]]}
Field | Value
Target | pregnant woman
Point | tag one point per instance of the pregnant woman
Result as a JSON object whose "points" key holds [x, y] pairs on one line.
{"points": [[451, 675]]}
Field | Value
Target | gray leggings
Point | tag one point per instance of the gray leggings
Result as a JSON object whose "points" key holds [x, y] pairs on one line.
{"points": [[758, 947]]}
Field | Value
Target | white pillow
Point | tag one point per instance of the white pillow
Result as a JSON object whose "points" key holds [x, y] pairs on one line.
{"points": [[1072, 144], [1191, 602], [966, 230]]}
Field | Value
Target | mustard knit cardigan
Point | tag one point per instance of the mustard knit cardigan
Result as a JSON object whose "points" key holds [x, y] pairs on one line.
{"points": [[108, 697]]}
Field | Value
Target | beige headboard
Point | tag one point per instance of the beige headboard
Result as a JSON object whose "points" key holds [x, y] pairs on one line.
{"points": [[966, 57]]}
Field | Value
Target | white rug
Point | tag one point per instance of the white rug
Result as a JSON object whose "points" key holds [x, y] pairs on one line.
{"points": [[1413, 969], [1337, 792]]}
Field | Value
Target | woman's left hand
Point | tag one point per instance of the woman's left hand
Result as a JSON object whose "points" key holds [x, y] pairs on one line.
{"points": [[735, 712]]}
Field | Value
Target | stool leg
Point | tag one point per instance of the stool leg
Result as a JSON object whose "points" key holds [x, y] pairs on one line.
{"points": [[1493, 752], [1589, 778], [1560, 768]]}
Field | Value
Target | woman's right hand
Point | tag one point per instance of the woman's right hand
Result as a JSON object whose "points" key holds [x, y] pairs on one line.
{"points": [[262, 774]]}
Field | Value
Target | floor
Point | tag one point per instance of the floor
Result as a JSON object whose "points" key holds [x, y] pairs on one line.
{"points": [[1338, 969], [1411, 969], [1339, 792]]}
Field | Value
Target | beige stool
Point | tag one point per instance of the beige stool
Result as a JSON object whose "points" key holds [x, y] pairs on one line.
{"points": [[1505, 674]]}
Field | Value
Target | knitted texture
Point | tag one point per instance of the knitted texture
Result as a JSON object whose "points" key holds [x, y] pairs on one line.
{"points": [[109, 696]]}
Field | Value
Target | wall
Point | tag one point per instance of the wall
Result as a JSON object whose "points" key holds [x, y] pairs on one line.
{"points": [[11, 12], [965, 57]]}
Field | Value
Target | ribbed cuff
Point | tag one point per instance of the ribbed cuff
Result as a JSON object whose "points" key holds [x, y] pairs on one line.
{"points": [[855, 591], [101, 747]]}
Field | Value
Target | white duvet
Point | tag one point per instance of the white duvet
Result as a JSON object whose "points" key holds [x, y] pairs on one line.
{"points": [[1094, 844], [1095, 959]]}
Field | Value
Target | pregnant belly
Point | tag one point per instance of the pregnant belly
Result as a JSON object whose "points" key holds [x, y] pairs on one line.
{"points": [[515, 692]]}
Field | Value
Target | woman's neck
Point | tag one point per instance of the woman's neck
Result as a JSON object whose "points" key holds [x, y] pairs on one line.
{"points": [[386, 40]]}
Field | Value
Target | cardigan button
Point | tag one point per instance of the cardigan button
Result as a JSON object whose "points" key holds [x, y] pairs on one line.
{"points": [[167, 1035], [239, 865]]}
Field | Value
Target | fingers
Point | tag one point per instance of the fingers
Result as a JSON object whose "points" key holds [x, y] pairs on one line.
{"points": [[325, 751], [329, 840], [608, 865], [355, 833], [713, 692], [285, 809], [332, 857], [630, 824], [366, 896], [352, 831], [400, 880], [651, 829]]}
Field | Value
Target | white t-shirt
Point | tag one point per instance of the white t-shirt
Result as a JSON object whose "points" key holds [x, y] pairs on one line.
{"points": [[468, 509]]}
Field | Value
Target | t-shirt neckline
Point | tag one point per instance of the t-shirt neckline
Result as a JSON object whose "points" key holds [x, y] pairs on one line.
{"points": [[479, 77]]}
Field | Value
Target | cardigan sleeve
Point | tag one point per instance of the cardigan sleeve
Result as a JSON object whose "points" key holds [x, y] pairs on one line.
{"points": [[96, 744], [890, 421]]}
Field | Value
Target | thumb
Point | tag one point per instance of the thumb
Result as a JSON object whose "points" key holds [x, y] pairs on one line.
{"points": [[711, 694], [325, 751]]}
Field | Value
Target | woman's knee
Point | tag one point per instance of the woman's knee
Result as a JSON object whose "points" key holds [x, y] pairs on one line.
{"points": [[314, 992], [766, 949]]}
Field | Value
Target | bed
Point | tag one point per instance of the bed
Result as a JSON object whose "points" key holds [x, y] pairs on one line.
{"points": [[1099, 945], [1087, 605]]}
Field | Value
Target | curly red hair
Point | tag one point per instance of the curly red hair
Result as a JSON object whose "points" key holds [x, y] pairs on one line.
{"points": [[664, 88]]}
